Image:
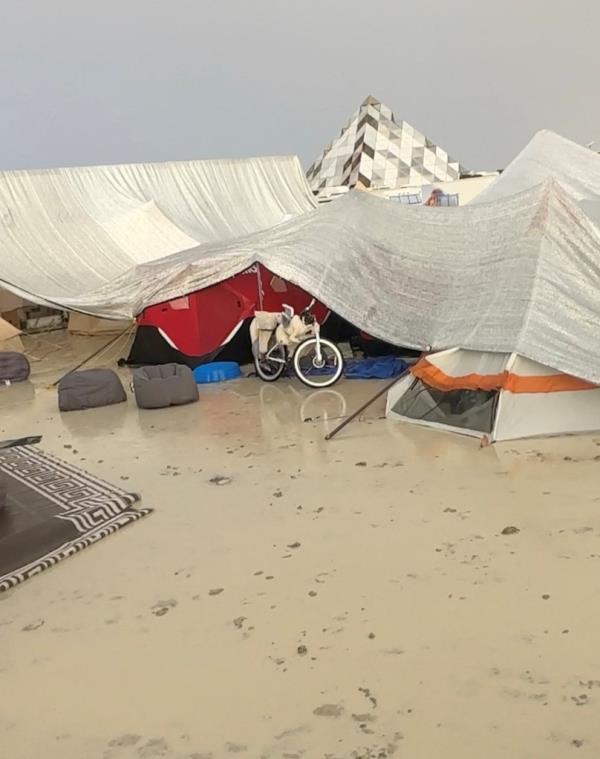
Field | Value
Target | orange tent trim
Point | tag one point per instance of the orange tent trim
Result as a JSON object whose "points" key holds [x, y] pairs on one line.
{"points": [[513, 383]]}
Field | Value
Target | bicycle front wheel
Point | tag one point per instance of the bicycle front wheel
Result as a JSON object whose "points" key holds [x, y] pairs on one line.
{"points": [[314, 372]]}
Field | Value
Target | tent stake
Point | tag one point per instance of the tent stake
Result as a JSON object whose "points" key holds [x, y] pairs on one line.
{"points": [[366, 405], [89, 358]]}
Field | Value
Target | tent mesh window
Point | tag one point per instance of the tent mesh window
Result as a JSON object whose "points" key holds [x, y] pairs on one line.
{"points": [[465, 409]]}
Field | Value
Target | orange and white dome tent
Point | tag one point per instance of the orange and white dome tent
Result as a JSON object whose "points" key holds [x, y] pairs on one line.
{"points": [[497, 396]]}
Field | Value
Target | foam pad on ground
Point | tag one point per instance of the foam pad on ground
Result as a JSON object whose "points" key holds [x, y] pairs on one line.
{"points": [[14, 367], [164, 385], [90, 388]]}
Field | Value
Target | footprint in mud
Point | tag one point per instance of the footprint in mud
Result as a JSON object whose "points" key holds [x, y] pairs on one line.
{"points": [[363, 722], [127, 739], [589, 684], [291, 731], [155, 747], [162, 607], [581, 700], [556, 737], [364, 717], [367, 694], [33, 625], [329, 710], [220, 479]]}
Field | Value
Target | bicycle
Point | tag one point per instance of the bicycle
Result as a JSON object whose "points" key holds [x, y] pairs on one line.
{"points": [[285, 339]]}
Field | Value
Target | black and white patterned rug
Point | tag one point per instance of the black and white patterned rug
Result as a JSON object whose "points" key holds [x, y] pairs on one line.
{"points": [[53, 510]]}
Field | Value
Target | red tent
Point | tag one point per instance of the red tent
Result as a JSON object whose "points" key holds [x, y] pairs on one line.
{"points": [[212, 323]]}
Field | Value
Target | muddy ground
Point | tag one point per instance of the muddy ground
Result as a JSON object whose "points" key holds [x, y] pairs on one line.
{"points": [[295, 598]]}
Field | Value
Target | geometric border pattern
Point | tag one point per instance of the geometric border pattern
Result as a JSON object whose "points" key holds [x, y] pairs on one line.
{"points": [[374, 150], [92, 507]]}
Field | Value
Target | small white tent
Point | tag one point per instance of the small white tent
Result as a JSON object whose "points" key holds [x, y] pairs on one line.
{"points": [[498, 396]]}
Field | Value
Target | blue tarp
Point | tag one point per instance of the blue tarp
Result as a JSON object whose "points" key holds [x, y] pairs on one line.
{"points": [[384, 367]]}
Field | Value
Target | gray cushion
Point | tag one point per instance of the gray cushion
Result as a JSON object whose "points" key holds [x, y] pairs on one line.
{"points": [[14, 367], [90, 388], [2, 494], [164, 385]]}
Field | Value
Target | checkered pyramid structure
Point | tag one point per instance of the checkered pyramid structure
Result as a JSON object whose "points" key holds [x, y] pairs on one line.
{"points": [[374, 150]]}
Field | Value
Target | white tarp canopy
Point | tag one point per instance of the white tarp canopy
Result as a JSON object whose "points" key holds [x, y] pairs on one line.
{"points": [[64, 232], [521, 274], [550, 156]]}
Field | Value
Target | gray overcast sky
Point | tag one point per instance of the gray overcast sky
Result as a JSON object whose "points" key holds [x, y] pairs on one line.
{"points": [[108, 81]]}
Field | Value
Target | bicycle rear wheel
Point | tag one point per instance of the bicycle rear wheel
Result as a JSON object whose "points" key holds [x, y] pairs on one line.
{"points": [[269, 369]]}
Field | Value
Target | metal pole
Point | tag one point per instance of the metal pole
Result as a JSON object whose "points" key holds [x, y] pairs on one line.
{"points": [[366, 405], [377, 395], [89, 358]]}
